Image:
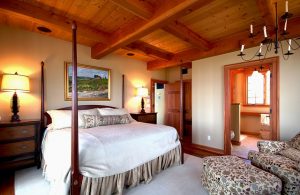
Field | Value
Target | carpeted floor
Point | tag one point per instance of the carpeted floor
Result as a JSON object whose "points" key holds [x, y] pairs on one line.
{"points": [[248, 142], [178, 180]]}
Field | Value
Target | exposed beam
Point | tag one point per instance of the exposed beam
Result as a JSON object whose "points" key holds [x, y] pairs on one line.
{"points": [[267, 11], [139, 8], [143, 10], [222, 46], [181, 31], [150, 50], [49, 19], [228, 44], [165, 14]]}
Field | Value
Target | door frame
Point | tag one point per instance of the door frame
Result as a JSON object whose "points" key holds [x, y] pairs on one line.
{"points": [[152, 90], [274, 99]]}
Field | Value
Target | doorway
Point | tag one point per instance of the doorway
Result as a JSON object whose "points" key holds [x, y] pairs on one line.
{"points": [[251, 105], [157, 99]]}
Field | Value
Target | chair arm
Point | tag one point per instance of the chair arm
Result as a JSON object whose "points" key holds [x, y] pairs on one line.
{"points": [[271, 147]]}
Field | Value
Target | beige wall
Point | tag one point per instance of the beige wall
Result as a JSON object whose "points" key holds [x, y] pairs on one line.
{"points": [[23, 51], [173, 74], [208, 97]]}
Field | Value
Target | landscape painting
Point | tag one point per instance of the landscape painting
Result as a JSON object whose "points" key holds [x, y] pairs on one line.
{"points": [[93, 83]]}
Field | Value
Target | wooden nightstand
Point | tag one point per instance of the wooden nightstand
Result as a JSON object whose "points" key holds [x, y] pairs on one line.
{"points": [[19, 144], [150, 117]]}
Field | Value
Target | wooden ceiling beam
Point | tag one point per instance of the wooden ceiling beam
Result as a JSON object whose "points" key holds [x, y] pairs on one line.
{"points": [[141, 9], [181, 31], [228, 44], [165, 14], [267, 11], [145, 11], [49, 19], [150, 50]]}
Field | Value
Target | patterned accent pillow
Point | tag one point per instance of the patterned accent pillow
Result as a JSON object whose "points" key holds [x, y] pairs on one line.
{"points": [[295, 141], [291, 153], [96, 120], [271, 147]]}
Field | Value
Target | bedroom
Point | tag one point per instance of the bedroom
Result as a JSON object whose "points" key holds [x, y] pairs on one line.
{"points": [[23, 51]]}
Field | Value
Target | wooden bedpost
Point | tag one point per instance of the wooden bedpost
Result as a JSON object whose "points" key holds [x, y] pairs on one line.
{"points": [[42, 98], [123, 91], [75, 188]]}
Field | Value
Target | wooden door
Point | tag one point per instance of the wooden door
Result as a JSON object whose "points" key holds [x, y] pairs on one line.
{"points": [[172, 111], [187, 117]]}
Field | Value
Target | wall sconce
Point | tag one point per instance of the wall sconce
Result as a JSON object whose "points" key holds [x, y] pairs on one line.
{"points": [[15, 82], [142, 92]]}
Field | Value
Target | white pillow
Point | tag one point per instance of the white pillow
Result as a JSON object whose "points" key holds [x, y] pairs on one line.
{"points": [[62, 118], [114, 111]]}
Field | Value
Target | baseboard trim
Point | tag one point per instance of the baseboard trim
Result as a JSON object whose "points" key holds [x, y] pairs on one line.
{"points": [[250, 133], [238, 143], [200, 150]]}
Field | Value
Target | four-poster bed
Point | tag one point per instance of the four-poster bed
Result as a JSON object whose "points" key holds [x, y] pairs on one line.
{"points": [[104, 159]]}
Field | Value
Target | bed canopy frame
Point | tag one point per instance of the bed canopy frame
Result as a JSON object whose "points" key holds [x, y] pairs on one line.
{"points": [[76, 177]]}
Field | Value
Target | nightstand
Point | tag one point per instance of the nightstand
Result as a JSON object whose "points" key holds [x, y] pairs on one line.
{"points": [[150, 117], [19, 144]]}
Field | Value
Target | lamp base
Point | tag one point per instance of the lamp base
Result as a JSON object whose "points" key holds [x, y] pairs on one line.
{"points": [[15, 108], [142, 105], [15, 118]]}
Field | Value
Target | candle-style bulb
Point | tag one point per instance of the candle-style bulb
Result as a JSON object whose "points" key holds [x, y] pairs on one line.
{"points": [[242, 48], [265, 32], [260, 47], [290, 43], [251, 29], [285, 24], [286, 6]]}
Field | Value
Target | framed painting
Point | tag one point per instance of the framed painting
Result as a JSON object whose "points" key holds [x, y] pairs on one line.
{"points": [[93, 83]]}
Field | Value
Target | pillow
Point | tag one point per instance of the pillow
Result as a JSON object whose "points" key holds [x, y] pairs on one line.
{"points": [[113, 111], [96, 120], [298, 167], [62, 118], [291, 153]]}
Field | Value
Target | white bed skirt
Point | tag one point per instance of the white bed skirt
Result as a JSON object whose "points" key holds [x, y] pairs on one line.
{"points": [[142, 174]]}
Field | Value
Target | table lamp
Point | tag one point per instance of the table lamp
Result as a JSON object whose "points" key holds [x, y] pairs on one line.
{"points": [[15, 82], [142, 92]]}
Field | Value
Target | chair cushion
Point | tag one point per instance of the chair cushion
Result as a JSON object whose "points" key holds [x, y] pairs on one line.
{"points": [[231, 175], [282, 167], [291, 153], [295, 141]]}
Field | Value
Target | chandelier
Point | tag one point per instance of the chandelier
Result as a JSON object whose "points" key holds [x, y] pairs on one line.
{"points": [[269, 43]]}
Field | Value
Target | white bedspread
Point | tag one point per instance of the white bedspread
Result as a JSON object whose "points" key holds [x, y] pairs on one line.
{"points": [[104, 150]]}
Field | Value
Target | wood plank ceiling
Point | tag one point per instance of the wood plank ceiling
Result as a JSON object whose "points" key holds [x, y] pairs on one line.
{"points": [[163, 33]]}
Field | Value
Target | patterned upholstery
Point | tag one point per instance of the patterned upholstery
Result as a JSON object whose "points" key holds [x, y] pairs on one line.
{"points": [[279, 159], [96, 120], [231, 175]]}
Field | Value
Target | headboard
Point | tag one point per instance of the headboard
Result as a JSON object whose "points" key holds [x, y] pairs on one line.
{"points": [[80, 107]]}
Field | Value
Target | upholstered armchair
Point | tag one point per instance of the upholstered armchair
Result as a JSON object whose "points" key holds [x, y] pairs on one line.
{"points": [[281, 159]]}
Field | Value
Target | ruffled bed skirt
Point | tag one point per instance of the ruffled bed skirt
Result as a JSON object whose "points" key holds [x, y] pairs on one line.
{"points": [[142, 174]]}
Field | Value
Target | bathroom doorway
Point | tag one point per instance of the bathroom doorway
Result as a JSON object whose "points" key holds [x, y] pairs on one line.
{"points": [[251, 105], [157, 99]]}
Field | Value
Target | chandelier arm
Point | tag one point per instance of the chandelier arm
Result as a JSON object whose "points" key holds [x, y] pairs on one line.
{"points": [[247, 60], [284, 56]]}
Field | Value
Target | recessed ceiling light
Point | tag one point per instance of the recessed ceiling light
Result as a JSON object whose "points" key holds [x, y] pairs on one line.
{"points": [[44, 29], [130, 54]]}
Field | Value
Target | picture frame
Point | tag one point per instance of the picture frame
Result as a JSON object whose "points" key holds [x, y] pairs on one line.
{"points": [[93, 83]]}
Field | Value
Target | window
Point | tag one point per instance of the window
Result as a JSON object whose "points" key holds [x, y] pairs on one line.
{"points": [[258, 88]]}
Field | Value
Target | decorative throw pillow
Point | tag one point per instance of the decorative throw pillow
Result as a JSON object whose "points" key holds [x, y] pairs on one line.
{"points": [[114, 111], [291, 153], [62, 118], [96, 120], [295, 142]]}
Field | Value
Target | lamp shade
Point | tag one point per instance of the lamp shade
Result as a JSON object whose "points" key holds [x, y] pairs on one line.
{"points": [[13, 82], [142, 91]]}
